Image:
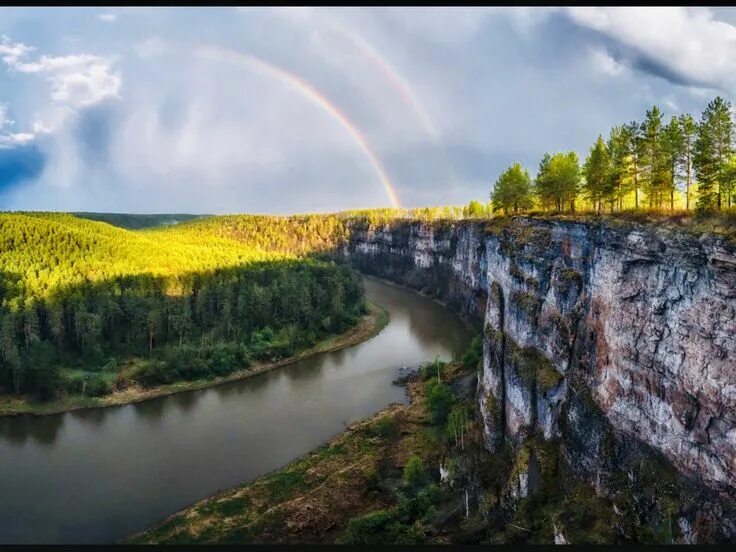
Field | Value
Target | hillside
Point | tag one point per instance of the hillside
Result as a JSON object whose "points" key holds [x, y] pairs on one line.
{"points": [[137, 222], [86, 307]]}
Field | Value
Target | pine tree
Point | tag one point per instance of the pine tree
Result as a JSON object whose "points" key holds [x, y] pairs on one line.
{"points": [[558, 180], [674, 149], [512, 190], [596, 171], [713, 149], [619, 145], [655, 172], [636, 155], [689, 130]]}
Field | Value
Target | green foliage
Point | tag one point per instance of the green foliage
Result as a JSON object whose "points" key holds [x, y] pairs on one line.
{"points": [[418, 504], [385, 427], [197, 300], [474, 354], [439, 401], [404, 523], [381, 527], [136, 222], [415, 475], [596, 171], [558, 180], [651, 160], [512, 190], [433, 369], [713, 149], [475, 209]]}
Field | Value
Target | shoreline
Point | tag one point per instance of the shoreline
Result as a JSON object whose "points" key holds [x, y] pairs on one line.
{"points": [[416, 400], [369, 326], [357, 450]]}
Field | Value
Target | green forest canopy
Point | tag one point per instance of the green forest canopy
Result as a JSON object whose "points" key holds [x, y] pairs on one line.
{"points": [[194, 300]]}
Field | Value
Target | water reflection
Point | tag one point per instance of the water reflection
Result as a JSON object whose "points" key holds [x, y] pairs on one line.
{"points": [[151, 411], [19, 429], [94, 417], [114, 471], [185, 401]]}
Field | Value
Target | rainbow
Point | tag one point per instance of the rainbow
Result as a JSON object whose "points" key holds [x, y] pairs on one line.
{"points": [[398, 83], [219, 53]]}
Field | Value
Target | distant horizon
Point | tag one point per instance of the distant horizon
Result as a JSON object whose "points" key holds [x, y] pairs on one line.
{"points": [[292, 110]]}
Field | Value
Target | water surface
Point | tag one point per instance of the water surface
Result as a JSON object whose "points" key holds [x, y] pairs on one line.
{"points": [[99, 475]]}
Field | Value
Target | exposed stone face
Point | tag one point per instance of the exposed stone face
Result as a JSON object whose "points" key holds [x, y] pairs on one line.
{"points": [[642, 320]]}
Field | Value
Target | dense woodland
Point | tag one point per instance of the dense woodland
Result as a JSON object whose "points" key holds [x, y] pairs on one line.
{"points": [[654, 164], [79, 299]]}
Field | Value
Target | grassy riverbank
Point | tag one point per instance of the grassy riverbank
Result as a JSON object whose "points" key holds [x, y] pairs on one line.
{"points": [[370, 325], [380, 473]]}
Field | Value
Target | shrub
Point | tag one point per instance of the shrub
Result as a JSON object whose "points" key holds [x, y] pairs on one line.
{"points": [[381, 527], [97, 387], [385, 427], [439, 401], [415, 476], [474, 354]]}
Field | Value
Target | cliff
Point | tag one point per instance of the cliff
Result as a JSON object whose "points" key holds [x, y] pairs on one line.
{"points": [[614, 340]]}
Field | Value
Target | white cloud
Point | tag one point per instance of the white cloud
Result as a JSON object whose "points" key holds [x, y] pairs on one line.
{"points": [[11, 140], [12, 52], [76, 80], [107, 17], [687, 43], [603, 61]]}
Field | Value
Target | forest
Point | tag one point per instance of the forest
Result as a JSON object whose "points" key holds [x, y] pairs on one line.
{"points": [[79, 299], [653, 164]]}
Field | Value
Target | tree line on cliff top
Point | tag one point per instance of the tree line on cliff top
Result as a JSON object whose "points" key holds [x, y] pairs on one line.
{"points": [[651, 164]]}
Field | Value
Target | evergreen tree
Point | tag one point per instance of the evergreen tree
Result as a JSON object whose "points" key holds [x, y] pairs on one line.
{"points": [[655, 173], [712, 151], [558, 181], [619, 151], [512, 190], [689, 129], [636, 156], [542, 186], [674, 150], [596, 171]]}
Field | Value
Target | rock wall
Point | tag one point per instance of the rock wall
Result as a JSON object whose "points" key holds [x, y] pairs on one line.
{"points": [[617, 339]]}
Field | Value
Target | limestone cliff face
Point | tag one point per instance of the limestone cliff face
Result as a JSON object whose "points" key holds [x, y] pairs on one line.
{"points": [[609, 337]]}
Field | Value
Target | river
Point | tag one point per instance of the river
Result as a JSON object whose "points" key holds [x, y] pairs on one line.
{"points": [[98, 475]]}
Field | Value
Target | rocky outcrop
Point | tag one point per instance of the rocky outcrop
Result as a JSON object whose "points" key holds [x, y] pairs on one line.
{"points": [[617, 339]]}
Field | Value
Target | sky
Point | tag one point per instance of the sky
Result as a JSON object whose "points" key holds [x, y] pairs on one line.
{"points": [[284, 110]]}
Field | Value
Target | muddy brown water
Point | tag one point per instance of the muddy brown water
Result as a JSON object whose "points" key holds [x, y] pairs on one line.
{"points": [[98, 475]]}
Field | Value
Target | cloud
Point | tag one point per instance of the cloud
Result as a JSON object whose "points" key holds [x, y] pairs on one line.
{"points": [[685, 46], [107, 17], [11, 139], [12, 52], [603, 61], [76, 80], [442, 96]]}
